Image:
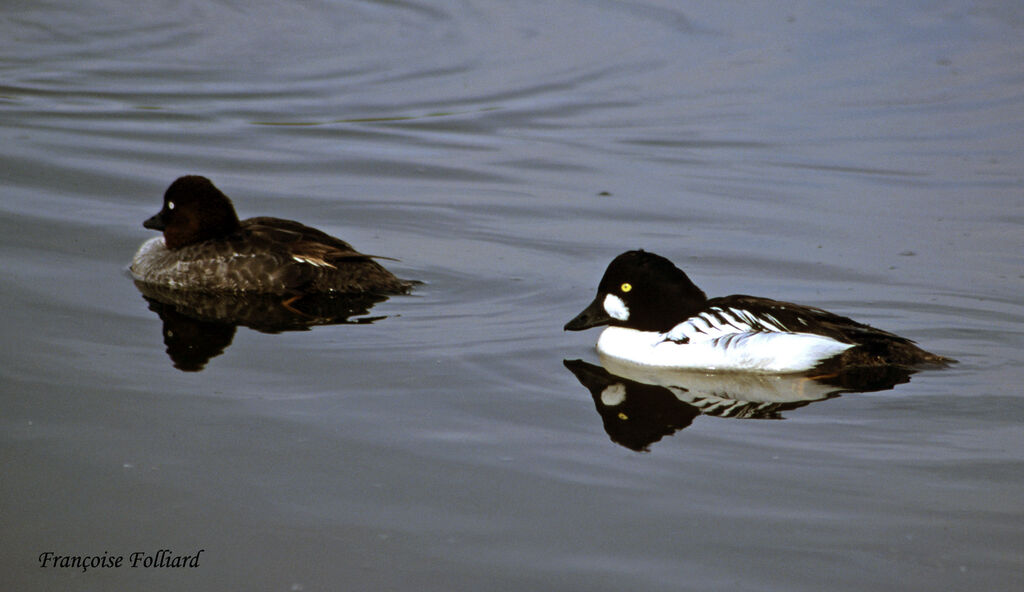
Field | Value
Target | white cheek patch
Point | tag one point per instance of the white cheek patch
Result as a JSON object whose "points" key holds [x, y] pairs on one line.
{"points": [[616, 308], [613, 395]]}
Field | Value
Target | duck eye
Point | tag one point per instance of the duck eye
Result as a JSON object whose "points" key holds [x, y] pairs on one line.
{"points": [[626, 287], [170, 205]]}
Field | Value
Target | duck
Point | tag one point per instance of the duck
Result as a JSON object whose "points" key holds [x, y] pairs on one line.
{"points": [[656, 316], [204, 247]]}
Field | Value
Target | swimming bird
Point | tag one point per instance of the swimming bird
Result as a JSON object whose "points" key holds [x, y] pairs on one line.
{"points": [[205, 247], [657, 317]]}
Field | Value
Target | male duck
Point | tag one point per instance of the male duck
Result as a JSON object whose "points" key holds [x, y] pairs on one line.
{"points": [[658, 317]]}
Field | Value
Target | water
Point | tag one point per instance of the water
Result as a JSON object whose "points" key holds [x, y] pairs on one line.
{"points": [[864, 158]]}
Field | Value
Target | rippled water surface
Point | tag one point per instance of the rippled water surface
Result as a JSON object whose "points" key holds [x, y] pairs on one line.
{"points": [[868, 159]]}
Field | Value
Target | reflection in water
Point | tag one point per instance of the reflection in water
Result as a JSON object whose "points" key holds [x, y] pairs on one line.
{"points": [[198, 326], [641, 405]]}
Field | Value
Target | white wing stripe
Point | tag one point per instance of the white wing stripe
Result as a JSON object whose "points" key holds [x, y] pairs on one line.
{"points": [[717, 322]]}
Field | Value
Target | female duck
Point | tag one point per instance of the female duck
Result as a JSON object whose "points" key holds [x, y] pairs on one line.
{"points": [[205, 247], [658, 317]]}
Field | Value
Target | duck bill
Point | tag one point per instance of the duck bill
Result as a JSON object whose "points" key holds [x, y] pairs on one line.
{"points": [[156, 222], [592, 316]]}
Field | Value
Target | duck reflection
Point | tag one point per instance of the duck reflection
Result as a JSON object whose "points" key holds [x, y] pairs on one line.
{"points": [[198, 327], [641, 405]]}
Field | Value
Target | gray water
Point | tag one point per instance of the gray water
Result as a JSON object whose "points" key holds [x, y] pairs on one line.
{"points": [[865, 158]]}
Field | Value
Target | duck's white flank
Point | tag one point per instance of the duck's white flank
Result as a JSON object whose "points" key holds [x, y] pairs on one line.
{"points": [[684, 347]]}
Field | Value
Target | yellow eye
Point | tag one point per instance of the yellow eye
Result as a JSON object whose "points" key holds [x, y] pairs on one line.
{"points": [[626, 287]]}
